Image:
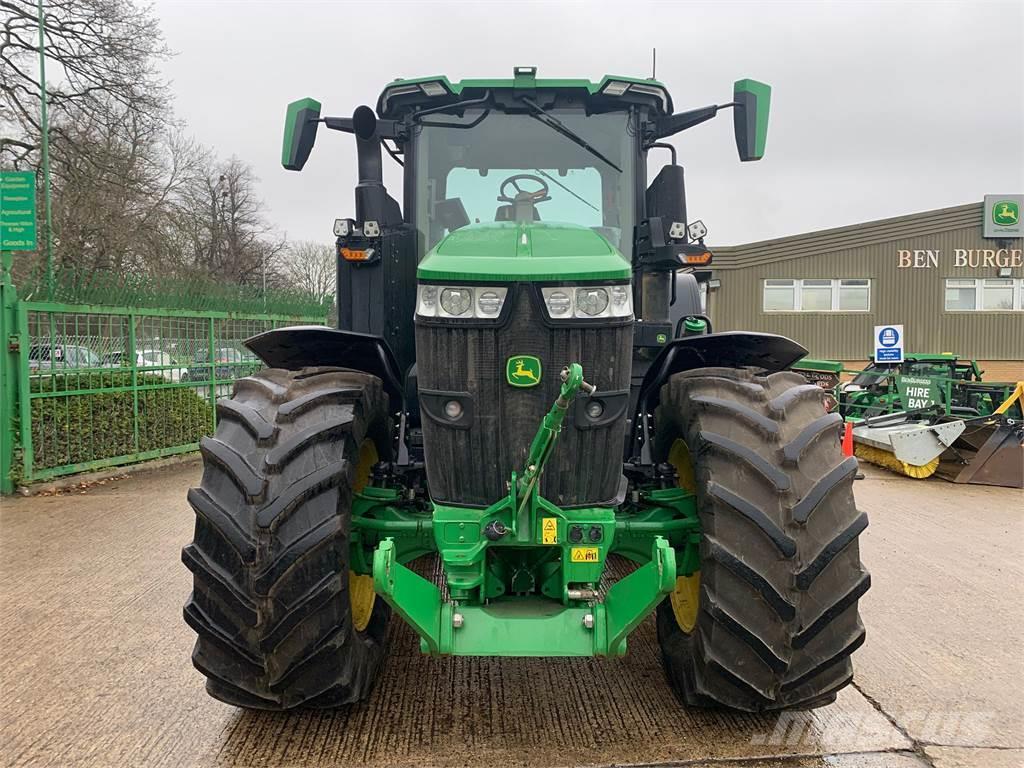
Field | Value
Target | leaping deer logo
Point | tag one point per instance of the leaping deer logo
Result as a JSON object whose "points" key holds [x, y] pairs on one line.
{"points": [[525, 373], [1006, 213]]}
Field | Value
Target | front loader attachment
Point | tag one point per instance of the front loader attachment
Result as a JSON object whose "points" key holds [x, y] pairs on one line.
{"points": [[987, 453]]}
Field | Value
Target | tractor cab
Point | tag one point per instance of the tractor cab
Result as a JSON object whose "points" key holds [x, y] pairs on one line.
{"points": [[499, 172]]}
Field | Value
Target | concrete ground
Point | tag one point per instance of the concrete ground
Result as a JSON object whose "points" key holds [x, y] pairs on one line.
{"points": [[96, 667]]}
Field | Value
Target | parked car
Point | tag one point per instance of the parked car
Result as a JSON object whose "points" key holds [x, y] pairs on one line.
{"points": [[145, 358], [228, 363], [45, 357]]}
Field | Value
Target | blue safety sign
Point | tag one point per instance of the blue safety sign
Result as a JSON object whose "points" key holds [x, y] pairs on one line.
{"points": [[888, 343]]}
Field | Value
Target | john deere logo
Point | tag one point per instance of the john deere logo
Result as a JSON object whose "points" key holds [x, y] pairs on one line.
{"points": [[523, 371], [1005, 213]]}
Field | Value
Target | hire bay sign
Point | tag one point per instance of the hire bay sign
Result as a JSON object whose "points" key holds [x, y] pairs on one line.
{"points": [[17, 211]]}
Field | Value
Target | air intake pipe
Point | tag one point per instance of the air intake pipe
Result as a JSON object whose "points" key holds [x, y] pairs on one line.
{"points": [[371, 196]]}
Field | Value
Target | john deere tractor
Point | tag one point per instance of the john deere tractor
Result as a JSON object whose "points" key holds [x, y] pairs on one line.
{"points": [[524, 387]]}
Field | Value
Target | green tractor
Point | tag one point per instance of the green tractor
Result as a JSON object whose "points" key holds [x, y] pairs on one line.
{"points": [[523, 388]]}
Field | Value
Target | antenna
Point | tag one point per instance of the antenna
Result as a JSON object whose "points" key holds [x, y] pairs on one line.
{"points": [[654, 63]]}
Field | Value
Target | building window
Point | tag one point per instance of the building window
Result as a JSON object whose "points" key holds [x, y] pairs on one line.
{"points": [[817, 295], [990, 294], [779, 295]]}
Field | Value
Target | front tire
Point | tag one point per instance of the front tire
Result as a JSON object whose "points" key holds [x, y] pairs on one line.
{"points": [[772, 621], [281, 620]]}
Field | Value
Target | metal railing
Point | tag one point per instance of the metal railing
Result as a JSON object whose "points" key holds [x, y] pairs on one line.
{"points": [[93, 386]]}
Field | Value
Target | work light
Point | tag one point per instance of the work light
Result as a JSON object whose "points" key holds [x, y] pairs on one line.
{"points": [[558, 302]]}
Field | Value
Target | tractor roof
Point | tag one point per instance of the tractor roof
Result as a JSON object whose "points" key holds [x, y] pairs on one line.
{"points": [[941, 357], [405, 92]]}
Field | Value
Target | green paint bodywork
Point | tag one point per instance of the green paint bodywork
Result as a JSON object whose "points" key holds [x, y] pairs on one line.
{"points": [[823, 366], [298, 114], [534, 589], [535, 251], [763, 94]]}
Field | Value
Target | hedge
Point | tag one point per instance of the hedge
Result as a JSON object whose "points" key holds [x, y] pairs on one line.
{"points": [[76, 428]]}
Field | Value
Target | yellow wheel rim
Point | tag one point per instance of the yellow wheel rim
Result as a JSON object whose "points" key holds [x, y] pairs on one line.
{"points": [[360, 592], [360, 587], [685, 599]]}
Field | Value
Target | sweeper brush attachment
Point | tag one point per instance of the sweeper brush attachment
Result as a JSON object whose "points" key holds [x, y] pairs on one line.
{"points": [[908, 447]]}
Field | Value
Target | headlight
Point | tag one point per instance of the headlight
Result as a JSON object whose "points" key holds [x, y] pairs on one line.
{"points": [[588, 302], [456, 301], [591, 301], [462, 302]]}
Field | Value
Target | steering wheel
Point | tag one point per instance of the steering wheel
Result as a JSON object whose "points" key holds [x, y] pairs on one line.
{"points": [[523, 196]]}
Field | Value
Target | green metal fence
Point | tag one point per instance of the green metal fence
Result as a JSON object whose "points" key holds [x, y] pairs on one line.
{"points": [[88, 386]]}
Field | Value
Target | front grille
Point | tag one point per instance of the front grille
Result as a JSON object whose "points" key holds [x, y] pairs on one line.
{"points": [[472, 466]]}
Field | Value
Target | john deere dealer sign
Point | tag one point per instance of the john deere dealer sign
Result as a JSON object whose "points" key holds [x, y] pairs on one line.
{"points": [[1002, 216], [17, 211]]}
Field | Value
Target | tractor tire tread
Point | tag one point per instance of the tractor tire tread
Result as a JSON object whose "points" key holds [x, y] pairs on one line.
{"points": [[270, 603], [781, 574]]}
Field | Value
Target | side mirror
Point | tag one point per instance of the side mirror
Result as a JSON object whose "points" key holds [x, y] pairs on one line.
{"points": [[750, 117], [299, 133]]}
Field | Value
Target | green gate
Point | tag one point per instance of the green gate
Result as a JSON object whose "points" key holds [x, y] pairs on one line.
{"points": [[87, 386]]}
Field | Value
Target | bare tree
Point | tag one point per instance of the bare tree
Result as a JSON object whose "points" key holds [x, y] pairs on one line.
{"points": [[115, 177], [311, 267], [221, 220], [97, 52], [131, 194]]}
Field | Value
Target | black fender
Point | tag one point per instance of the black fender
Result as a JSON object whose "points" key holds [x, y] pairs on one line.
{"points": [[301, 346], [731, 349]]}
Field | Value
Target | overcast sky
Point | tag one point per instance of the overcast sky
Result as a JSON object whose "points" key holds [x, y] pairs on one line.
{"points": [[878, 109]]}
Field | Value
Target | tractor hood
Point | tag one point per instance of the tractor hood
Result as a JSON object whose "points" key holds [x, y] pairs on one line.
{"points": [[517, 252]]}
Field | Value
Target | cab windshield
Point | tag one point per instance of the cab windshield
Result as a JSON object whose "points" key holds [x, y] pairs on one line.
{"points": [[515, 168]]}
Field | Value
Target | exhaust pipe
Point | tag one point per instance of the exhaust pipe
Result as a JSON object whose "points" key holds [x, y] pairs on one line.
{"points": [[371, 196]]}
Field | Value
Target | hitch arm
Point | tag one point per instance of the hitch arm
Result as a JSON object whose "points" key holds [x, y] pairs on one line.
{"points": [[544, 441]]}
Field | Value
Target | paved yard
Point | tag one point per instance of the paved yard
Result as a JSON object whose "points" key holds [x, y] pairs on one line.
{"points": [[96, 667]]}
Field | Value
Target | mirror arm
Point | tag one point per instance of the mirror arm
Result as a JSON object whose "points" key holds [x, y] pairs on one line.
{"points": [[338, 124], [386, 129], [673, 124]]}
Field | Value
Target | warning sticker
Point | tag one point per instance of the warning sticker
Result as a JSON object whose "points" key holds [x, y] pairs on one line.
{"points": [[549, 530], [585, 555]]}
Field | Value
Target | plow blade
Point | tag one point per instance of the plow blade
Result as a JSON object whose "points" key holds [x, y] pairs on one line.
{"points": [[990, 453], [909, 448]]}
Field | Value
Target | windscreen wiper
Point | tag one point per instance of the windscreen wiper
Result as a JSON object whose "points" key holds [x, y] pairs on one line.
{"points": [[551, 178], [537, 112]]}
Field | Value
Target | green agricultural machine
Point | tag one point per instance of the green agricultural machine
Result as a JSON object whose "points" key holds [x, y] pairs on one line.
{"points": [[508, 395], [933, 414], [953, 382]]}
